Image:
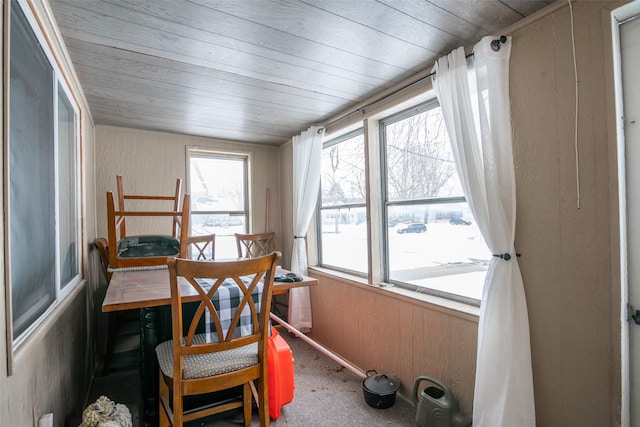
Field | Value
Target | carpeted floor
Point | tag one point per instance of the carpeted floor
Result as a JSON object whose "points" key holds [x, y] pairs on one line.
{"points": [[326, 394]]}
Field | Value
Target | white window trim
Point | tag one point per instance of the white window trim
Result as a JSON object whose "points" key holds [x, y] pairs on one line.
{"points": [[377, 246], [395, 117], [61, 83], [247, 156], [319, 208]]}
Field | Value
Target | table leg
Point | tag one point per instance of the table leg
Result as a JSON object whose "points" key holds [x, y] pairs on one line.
{"points": [[152, 331]]}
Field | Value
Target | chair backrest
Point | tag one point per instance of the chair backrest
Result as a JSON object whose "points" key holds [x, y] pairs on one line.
{"points": [[103, 248], [201, 247], [250, 279], [254, 245]]}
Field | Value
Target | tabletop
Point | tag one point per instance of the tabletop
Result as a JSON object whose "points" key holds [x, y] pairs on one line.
{"points": [[150, 288]]}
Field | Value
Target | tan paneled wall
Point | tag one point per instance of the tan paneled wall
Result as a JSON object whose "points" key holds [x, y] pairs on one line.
{"points": [[569, 254], [378, 329]]}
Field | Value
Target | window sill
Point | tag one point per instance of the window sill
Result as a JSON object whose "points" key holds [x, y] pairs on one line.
{"points": [[434, 302]]}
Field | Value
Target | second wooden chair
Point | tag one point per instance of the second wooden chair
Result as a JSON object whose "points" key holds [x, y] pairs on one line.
{"points": [[201, 247], [254, 245]]}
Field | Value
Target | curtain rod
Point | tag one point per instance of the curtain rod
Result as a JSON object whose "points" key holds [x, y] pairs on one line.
{"points": [[495, 45]]}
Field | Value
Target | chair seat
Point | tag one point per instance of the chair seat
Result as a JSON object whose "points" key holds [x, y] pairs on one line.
{"points": [[148, 246], [205, 365]]}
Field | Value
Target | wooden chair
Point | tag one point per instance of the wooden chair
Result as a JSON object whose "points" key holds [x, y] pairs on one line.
{"points": [[146, 250], [116, 318], [197, 363], [198, 247], [254, 245], [103, 249]]}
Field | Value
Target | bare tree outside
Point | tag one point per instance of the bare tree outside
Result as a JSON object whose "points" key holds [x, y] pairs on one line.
{"points": [[419, 160], [343, 174]]}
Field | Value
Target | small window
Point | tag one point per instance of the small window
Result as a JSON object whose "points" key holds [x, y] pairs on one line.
{"points": [[432, 241], [342, 219], [68, 189], [218, 184]]}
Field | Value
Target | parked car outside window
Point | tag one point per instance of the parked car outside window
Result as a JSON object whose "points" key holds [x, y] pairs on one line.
{"points": [[413, 228], [456, 220]]}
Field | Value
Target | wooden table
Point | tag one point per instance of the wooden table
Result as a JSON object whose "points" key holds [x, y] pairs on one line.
{"points": [[148, 291]]}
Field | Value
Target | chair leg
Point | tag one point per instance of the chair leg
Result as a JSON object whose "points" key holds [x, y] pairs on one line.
{"points": [[112, 329], [246, 405], [178, 410], [254, 391], [163, 394], [263, 402]]}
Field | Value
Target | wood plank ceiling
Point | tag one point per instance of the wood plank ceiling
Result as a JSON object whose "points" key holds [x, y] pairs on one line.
{"points": [[259, 70]]}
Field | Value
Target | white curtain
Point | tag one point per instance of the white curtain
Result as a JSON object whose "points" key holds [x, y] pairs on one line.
{"points": [[475, 103], [307, 156]]}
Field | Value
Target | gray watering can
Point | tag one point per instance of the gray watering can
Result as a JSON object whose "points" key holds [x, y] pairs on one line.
{"points": [[437, 406]]}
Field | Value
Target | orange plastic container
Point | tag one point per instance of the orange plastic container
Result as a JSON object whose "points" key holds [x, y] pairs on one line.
{"points": [[280, 371]]}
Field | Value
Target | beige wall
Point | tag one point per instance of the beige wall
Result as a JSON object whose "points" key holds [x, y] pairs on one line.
{"points": [[286, 191], [383, 330], [569, 256], [52, 370], [150, 162]]}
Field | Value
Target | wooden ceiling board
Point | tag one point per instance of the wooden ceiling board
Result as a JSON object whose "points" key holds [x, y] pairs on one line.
{"points": [[213, 86], [157, 42], [390, 21], [526, 7], [264, 41], [177, 122], [488, 15], [224, 99], [137, 106], [448, 23], [312, 26], [259, 70], [168, 106]]}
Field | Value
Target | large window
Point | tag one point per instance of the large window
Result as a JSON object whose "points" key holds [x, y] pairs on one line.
{"points": [[432, 240], [343, 217], [422, 234], [218, 184], [42, 171]]}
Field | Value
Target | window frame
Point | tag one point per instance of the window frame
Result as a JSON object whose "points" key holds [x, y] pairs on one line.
{"points": [[59, 87], [378, 206], [70, 285], [386, 204], [319, 207], [245, 158]]}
